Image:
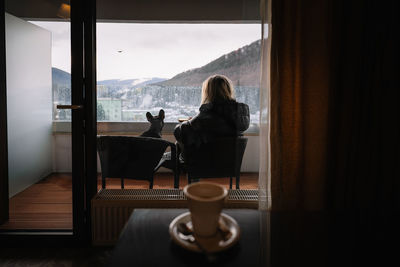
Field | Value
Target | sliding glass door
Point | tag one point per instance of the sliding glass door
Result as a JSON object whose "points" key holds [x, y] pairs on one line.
{"points": [[46, 134]]}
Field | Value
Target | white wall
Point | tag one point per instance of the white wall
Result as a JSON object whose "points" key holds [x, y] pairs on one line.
{"points": [[62, 153], [29, 103]]}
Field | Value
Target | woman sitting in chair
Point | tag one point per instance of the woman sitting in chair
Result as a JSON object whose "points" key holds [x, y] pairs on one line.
{"points": [[220, 115]]}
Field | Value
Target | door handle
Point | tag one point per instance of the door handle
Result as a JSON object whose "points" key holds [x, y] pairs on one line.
{"points": [[70, 107]]}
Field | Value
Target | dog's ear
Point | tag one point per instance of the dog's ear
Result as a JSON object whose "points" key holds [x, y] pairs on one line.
{"points": [[149, 116], [161, 114]]}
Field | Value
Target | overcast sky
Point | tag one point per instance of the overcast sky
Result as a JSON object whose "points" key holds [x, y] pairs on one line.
{"points": [[128, 50]]}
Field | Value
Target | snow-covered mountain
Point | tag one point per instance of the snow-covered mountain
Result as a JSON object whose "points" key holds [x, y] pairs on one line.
{"points": [[242, 66], [131, 83]]}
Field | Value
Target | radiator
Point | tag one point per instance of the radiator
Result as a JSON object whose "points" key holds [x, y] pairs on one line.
{"points": [[111, 208], [108, 223]]}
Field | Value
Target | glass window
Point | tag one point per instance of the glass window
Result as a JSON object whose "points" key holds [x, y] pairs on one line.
{"points": [[147, 67]]}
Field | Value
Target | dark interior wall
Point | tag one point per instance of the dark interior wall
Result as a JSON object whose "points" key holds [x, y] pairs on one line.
{"points": [[192, 10], [40, 9], [3, 123], [146, 10]]}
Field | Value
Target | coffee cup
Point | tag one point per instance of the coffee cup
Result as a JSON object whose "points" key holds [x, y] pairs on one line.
{"points": [[205, 201]]}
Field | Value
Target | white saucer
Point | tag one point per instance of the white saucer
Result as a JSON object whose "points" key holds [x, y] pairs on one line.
{"points": [[209, 244]]}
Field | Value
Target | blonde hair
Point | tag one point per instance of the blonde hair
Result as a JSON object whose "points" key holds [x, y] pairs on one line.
{"points": [[217, 87]]}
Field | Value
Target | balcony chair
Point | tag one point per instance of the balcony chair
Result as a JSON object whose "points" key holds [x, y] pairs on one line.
{"points": [[219, 158], [128, 157]]}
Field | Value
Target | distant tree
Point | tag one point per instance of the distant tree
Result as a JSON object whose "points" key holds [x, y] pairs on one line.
{"points": [[101, 114]]}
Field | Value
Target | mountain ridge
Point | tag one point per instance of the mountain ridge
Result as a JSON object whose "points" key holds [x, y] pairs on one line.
{"points": [[241, 66], [131, 82], [61, 77]]}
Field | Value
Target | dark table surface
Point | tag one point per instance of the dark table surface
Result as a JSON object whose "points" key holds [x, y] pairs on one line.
{"points": [[145, 241], [267, 239]]}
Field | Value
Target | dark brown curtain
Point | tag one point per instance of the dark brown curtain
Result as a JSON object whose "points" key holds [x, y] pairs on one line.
{"points": [[334, 114], [299, 103], [364, 155]]}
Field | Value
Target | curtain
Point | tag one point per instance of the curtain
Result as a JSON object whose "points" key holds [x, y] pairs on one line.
{"points": [[334, 115], [364, 149], [299, 103], [264, 184]]}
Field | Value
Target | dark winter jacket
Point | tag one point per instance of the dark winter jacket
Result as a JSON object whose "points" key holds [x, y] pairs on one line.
{"points": [[216, 119]]}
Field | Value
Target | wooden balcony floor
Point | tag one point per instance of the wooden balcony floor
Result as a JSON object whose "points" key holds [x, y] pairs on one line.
{"points": [[48, 203]]}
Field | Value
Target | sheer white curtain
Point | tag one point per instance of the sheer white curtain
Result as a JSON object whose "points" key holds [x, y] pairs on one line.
{"points": [[264, 182]]}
